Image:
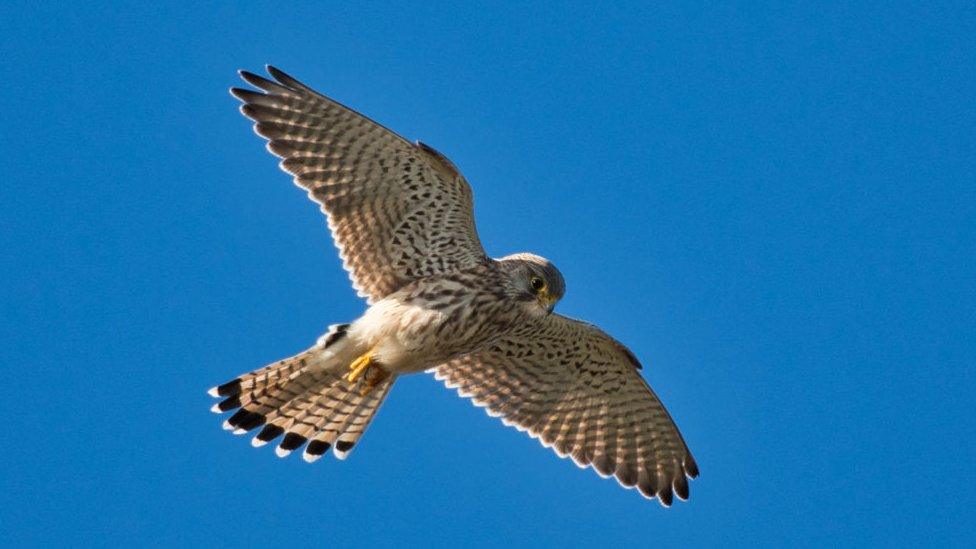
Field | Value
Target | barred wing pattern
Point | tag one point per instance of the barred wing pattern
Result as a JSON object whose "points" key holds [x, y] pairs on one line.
{"points": [[398, 211], [578, 391]]}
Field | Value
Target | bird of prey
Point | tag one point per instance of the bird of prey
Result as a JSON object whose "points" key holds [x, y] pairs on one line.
{"points": [[402, 218]]}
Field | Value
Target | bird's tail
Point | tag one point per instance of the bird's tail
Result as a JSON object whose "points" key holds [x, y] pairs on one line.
{"points": [[303, 400]]}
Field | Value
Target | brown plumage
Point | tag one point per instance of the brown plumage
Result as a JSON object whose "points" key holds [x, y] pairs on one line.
{"points": [[402, 218]]}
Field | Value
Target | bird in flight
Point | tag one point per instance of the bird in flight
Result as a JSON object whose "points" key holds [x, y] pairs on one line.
{"points": [[402, 218]]}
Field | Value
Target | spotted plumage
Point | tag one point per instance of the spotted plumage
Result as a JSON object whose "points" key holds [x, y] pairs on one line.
{"points": [[402, 218]]}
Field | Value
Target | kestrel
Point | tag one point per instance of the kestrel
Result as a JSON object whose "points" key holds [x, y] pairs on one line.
{"points": [[402, 217]]}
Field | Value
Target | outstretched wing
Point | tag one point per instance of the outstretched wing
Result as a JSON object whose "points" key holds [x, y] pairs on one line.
{"points": [[577, 389], [398, 211]]}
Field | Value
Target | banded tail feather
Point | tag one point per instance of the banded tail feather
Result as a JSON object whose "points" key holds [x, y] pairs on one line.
{"points": [[303, 399]]}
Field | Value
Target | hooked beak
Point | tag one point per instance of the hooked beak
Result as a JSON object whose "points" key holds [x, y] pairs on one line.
{"points": [[547, 301]]}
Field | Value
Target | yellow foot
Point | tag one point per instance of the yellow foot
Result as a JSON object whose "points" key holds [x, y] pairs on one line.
{"points": [[357, 367], [373, 377]]}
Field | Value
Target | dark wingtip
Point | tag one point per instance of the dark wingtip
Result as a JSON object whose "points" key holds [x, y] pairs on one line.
{"points": [[647, 487], [602, 463], [238, 418], [244, 94], [269, 433], [632, 358], [691, 468], [666, 497], [256, 80], [627, 476], [344, 445], [292, 441], [283, 77], [256, 420], [681, 487], [273, 70], [228, 389], [247, 420], [317, 448], [230, 403]]}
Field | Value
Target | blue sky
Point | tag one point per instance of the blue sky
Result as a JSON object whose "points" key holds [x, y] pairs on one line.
{"points": [[772, 204]]}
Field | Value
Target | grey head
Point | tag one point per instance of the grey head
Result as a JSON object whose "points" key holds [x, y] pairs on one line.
{"points": [[534, 280]]}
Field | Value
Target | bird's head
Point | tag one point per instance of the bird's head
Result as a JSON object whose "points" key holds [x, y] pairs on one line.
{"points": [[534, 280]]}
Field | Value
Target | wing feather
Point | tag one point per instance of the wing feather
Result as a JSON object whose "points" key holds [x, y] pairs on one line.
{"points": [[398, 211], [577, 390]]}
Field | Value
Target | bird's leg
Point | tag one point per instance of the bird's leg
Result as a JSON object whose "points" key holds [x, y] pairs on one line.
{"points": [[367, 368], [374, 376], [358, 366]]}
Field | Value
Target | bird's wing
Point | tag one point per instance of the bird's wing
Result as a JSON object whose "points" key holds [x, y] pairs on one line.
{"points": [[578, 391], [398, 211]]}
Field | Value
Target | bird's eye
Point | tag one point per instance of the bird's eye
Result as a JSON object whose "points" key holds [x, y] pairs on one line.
{"points": [[537, 283]]}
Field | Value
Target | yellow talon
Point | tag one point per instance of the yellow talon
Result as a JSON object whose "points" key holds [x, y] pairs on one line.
{"points": [[357, 367]]}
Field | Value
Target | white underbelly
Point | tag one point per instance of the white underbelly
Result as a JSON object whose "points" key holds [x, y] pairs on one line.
{"points": [[400, 337]]}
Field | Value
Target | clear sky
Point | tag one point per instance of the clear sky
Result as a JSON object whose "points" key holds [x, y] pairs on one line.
{"points": [[772, 205]]}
